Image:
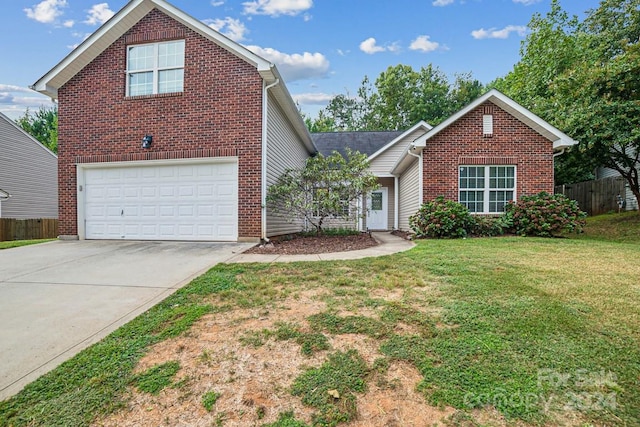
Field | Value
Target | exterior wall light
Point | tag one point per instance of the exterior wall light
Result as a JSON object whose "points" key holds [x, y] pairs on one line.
{"points": [[147, 141]]}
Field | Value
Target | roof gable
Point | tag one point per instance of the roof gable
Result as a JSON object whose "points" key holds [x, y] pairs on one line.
{"points": [[560, 139], [420, 125], [128, 17], [122, 22]]}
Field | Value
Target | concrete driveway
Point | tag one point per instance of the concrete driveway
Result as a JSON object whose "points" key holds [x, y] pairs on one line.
{"points": [[60, 297]]}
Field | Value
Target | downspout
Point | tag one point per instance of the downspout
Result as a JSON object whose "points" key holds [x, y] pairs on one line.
{"points": [[263, 197], [559, 153], [420, 173], [396, 201]]}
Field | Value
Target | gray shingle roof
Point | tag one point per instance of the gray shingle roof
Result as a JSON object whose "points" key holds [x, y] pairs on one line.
{"points": [[364, 142]]}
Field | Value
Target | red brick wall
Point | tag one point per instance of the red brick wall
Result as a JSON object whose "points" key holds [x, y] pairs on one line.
{"points": [[463, 143], [219, 113]]}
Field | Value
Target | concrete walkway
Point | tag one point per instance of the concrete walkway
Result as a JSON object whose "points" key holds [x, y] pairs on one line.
{"points": [[387, 244]]}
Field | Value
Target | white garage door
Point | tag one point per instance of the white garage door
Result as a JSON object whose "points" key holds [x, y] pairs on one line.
{"points": [[162, 202]]}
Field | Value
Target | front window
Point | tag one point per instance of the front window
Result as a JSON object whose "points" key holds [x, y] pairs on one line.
{"points": [[487, 189], [155, 68]]}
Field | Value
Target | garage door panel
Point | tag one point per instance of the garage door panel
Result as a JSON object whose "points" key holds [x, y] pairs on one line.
{"points": [[162, 202]]}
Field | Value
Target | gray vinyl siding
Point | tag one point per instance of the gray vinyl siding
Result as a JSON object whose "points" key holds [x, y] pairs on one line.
{"points": [[632, 203], [409, 199], [29, 172], [382, 164], [284, 151]]}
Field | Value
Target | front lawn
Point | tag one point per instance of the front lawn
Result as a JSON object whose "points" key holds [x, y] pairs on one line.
{"points": [[459, 332]]}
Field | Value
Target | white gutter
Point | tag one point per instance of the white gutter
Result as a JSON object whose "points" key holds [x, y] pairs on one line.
{"points": [[396, 201], [263, 197], [420, 174]]}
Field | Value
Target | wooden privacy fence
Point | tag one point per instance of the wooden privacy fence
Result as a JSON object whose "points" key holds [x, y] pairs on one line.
{"points": [[26, 229], [595, 197]]}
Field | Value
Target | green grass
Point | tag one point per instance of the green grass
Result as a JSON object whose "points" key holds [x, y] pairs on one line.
{"points": [[331, 388], [17, 243], [615, 227], [209, 400], [156, 378], [529, 326]]}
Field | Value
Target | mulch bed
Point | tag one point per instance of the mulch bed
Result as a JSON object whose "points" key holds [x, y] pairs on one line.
{"points": [[298, 245]]}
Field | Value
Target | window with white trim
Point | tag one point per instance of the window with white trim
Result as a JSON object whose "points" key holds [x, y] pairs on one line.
{"points": [[155, 68], [486, 189]]}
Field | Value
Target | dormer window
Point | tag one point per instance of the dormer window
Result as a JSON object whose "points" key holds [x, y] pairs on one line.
{"points": [[155, 68]]}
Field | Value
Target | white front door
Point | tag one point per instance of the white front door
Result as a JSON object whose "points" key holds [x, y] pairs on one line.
{"points": [[377, 210]]}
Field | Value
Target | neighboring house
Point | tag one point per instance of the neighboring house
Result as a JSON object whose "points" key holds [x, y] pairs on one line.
{"points": [[3, 196], [630, 201], [28, 175], [168, 130]]}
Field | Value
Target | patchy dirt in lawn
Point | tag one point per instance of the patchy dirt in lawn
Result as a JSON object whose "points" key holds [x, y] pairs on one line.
{"points": [[298, 245], [232, 354], [254, 381]]}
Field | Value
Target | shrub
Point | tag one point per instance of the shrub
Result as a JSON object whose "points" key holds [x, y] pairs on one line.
{"points": [[442, 218], [545, 215], [489, 226]]}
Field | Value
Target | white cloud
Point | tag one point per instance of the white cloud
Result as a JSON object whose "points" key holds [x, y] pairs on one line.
{"points": [[232, 28], [277, 7], [312, 98], [47, 11], [527, 2], [442, 2], [216, 3], [13, 88], [369, 46], [504, 33], [68, 24], [99, 14], [295, 66], [15, 106], [423, 44]]}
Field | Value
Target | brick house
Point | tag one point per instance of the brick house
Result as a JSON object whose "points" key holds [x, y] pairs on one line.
{"points": [[168, 130]]}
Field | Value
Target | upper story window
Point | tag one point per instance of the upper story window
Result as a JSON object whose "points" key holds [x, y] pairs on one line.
{"points": [[155, 68], [487, 189]]}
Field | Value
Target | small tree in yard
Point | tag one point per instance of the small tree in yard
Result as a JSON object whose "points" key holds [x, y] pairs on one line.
{"points": [[326, 187]]}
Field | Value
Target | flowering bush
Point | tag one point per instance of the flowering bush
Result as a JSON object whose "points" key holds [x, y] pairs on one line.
{"points": [[441, 218], [545, 215]]}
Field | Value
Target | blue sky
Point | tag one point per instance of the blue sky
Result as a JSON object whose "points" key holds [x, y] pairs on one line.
{"points": [[322, 47]]}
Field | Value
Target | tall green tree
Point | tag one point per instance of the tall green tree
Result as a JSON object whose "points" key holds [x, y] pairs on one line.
{"points": [[399, 98], [42, 125], [584, 77]]}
